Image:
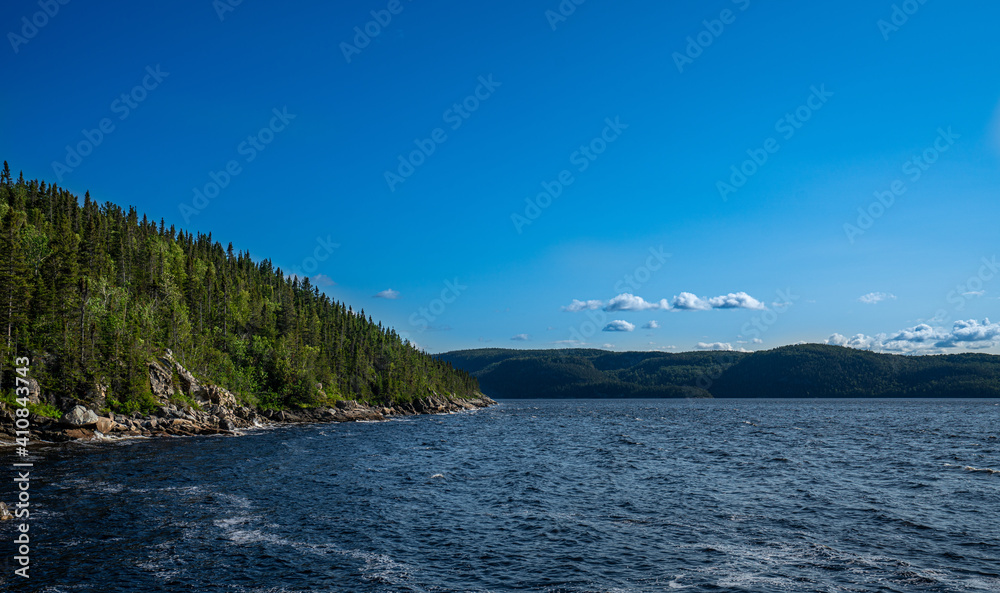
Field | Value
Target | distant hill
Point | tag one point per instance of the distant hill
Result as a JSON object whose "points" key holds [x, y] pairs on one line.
{"points": [[807, 370]]}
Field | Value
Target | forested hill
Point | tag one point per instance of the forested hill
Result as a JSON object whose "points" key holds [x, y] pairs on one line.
{"points": [[808, 370], [94, 293]]}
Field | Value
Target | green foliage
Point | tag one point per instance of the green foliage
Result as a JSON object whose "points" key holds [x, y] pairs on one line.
{"points": [[143, 404], [185, 401], [96, 292], [41, 409]]}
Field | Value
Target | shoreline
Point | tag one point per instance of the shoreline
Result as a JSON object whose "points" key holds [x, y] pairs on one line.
{"points": [[221, 420]]}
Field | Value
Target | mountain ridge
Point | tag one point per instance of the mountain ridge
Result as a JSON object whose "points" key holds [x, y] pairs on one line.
{"points": [[801, 370]]}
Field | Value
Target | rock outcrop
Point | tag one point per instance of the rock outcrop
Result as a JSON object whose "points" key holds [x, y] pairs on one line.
{"points": [[161, 380]]}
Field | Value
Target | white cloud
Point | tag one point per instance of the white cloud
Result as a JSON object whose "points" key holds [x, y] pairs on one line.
{"points": [[630, 302], [387, 294], [876, 297], [974, 293], [758, 341], [608, 346], [714, 346], [973, 334], [321, 280], [652, 325], [735, 300], [687, 301], [578, 305], [521, 338], [619, 326], [858, 341], [919, 333], [570, 343], [926, 339]]}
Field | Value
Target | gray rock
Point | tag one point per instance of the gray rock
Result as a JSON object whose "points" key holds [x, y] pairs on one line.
{"points": [[161, 381], [80, 417], [220, 397], [189, 384], [34, 391]]}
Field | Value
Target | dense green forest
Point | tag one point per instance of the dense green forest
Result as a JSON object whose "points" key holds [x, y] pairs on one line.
{"points": [[92, 293], [808, 370]]}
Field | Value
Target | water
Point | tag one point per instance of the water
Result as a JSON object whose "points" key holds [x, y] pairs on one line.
{"points": [[575, 496]]}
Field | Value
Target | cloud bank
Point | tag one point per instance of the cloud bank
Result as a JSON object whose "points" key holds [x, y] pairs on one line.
{"points": [[718, 346], [926, 339], [685, 301]]}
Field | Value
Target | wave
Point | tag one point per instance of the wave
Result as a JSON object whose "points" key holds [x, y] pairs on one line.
{"points": [[969, 468]]}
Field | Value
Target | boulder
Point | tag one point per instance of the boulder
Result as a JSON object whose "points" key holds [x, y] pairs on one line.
{"points": [[80, 417], [106, 425]]}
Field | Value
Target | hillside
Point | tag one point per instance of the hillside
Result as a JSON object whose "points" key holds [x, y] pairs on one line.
{"points": [[808, 370], [94, 295]]}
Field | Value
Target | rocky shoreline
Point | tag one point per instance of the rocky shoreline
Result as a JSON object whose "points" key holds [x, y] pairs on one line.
{"points": [[171, 420], [204, 410]]}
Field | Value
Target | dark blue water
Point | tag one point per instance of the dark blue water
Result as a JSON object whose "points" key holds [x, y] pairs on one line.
{"points": [[572, 496]]}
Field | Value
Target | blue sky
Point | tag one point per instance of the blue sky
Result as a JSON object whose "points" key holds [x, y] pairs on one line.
{"points": [[543, 174]]}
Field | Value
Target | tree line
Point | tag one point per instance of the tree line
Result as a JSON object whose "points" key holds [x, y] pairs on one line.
{"points": [[94, 292]]}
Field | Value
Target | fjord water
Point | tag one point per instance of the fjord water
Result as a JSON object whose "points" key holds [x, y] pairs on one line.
{"points": [[632, 495]]}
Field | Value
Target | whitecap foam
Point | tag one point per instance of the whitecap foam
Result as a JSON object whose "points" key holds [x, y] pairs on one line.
{"points": [[986, 470]]}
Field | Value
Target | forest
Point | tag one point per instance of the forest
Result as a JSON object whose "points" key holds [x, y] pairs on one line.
{"points": [[805, 370], [92, 293]]}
